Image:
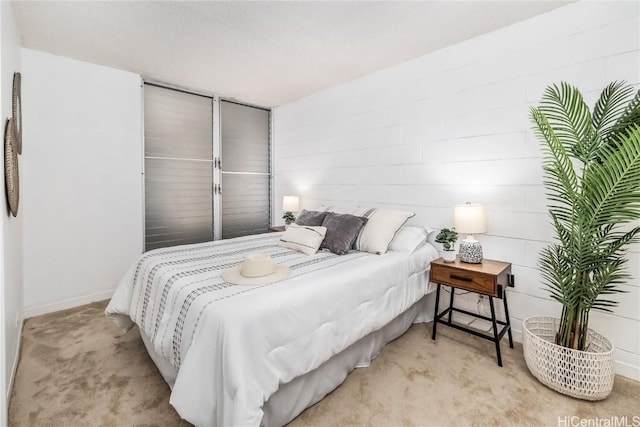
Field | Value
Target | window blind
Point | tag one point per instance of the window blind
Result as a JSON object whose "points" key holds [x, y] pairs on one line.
{"points": [[178, 129], [245, 169]]}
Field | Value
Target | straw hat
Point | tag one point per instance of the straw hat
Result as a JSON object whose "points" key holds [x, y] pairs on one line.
{"points": [[256, 269]]}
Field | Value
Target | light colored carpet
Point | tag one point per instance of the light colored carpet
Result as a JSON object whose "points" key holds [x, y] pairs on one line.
{"points": [[74, 371]]}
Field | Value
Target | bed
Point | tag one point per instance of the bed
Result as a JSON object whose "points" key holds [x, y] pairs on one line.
{"points": [[259, 355]]}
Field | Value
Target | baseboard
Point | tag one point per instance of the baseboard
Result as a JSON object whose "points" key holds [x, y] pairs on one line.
{"points": [[626, 370], [14, 368], [65, 304], [517, 335]]}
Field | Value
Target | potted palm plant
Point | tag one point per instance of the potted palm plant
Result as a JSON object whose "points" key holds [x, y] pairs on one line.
{"points": [[591, 162], [447, 238]]}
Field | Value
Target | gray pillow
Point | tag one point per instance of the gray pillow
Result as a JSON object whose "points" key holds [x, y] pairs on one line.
{"points": [[342, 230], [311, 218]]}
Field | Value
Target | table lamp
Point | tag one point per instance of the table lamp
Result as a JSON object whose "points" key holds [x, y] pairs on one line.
{"points": [[470, 219]]}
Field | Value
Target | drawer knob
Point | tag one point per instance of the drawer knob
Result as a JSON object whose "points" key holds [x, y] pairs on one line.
{"points": [[456, 277]]}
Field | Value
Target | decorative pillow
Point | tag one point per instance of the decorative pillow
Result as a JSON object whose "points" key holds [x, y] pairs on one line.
{"points": [[303, 238], [342, 230], [312, 218], [409, 238], [382, 226], [345, 209]]}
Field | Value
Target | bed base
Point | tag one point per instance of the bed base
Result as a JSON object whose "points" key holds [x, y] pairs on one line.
{"points": [[297, 395]]}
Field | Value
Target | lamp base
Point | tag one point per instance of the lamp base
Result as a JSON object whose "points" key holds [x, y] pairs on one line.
{"points": [[470, 252]]}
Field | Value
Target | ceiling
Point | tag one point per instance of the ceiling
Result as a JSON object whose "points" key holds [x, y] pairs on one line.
{"points": [[266, 53]]}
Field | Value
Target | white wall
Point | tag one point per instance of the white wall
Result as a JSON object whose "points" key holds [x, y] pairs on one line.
{"points": [[11, 287], [452, 127], [82, 183]]}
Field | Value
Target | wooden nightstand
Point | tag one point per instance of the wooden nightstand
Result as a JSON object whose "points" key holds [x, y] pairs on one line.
{"points": [[276, 229], [487, 278]]}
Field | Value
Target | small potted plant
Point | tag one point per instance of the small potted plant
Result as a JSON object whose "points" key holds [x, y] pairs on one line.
{"points": [[447, 237], [288, 218]]}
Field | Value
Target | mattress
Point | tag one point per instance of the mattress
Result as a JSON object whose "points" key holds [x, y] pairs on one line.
{"points": [[232, 347]]}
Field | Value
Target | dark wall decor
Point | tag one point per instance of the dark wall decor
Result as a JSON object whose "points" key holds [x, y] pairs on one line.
{"points": [[13, 147], [16, 113], [11, 175]]}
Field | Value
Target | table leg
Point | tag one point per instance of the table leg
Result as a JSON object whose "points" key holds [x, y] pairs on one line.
{"points": [[453, 292], [507, 320], [496, 339], [435, 314]]}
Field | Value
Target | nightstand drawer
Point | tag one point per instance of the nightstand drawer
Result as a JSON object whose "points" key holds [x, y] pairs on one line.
{"points": [[470, 281]]}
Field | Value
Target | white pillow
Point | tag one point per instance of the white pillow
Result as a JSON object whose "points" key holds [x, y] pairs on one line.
{"points": [[303, 238], [410, 238], [380, 229]]}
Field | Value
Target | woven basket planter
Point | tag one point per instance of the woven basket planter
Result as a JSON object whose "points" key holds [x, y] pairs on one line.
{"points": [[584, 375]]}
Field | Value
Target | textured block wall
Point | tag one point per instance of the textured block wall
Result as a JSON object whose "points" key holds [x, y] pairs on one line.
{"points": [[452, 127]]}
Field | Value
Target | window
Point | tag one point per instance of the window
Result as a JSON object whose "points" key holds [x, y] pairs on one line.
{"points": [[191, 195]]}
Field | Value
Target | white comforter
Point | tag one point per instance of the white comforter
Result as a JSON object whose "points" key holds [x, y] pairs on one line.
{"points": [[234, 345]]}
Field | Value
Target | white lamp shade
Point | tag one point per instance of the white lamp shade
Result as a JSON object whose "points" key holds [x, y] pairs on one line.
{"points": [[290, 204], [469, 219]]}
